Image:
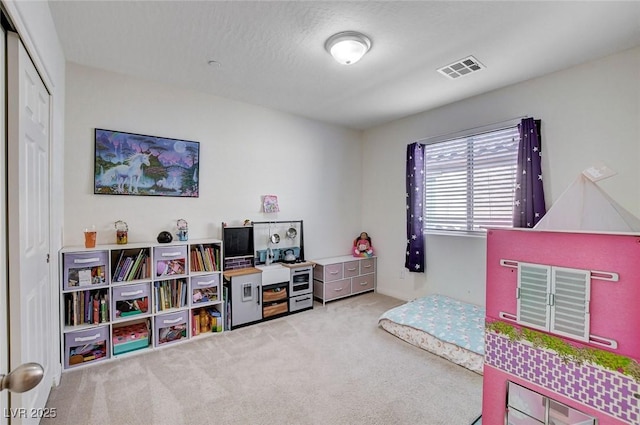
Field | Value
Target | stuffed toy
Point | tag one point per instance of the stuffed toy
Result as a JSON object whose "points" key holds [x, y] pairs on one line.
{"points": [[362, 246]]}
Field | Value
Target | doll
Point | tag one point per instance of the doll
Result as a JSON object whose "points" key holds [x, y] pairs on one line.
{"points": [[362, 246]]}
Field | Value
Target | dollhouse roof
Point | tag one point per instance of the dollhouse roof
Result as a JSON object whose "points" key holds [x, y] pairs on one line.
{"points": [[585, 206]]}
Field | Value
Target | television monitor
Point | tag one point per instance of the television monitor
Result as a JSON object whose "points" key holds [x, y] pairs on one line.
{"points": [[238, 241]]}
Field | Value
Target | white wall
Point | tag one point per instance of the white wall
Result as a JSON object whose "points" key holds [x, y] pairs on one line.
{"points": [[322, 175], [245, 152], [589, 113]]}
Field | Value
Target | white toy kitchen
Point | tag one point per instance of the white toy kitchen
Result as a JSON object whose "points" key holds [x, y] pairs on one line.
{"points": [[266, 275]]}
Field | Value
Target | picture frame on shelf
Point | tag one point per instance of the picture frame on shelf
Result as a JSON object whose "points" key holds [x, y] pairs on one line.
{"points": [[138, 164]]}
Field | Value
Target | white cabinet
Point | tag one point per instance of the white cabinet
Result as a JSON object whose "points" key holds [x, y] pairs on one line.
{"points": [[119, 299], [246, 295], [339, 277]]}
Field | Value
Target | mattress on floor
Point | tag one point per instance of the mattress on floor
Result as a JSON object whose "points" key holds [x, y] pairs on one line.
{"points": [[441, 325]]}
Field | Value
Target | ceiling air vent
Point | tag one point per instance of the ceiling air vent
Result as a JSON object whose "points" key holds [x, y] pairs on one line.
{"points": [[462, 67]]}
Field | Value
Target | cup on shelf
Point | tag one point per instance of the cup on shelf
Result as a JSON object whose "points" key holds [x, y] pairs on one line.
{"points": [[90, 237]]}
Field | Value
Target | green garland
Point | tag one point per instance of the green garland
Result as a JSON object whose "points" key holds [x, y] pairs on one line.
{"points": [[568, 352]]}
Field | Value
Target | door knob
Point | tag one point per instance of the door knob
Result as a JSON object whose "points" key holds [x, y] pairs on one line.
{"points": [[23, 378]]}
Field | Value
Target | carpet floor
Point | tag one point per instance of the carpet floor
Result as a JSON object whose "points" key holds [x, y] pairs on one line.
{"points": [[329, 365]]}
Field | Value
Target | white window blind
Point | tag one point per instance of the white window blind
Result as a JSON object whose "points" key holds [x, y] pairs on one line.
{"points": [[470, 181]]}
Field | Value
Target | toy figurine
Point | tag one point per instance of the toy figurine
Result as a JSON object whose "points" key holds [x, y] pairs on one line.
{"points": [[362, 246], [183, 230], [203, 318]]}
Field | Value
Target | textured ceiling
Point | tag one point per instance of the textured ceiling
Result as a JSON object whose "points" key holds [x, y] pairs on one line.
{"points": [[271, 53]]}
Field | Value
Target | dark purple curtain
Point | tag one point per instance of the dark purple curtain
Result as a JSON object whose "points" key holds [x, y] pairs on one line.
{"points": [[415, 196], [529, 205]]}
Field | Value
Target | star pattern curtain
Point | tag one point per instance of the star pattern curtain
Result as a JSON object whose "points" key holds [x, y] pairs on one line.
{"points": [[415, 198], [529, 206]]}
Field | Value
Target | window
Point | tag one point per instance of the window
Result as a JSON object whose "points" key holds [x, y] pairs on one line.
{"points": [[470, 181]]}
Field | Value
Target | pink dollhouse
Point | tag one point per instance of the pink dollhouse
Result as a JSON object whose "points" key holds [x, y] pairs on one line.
{"points": [[562, 341]]}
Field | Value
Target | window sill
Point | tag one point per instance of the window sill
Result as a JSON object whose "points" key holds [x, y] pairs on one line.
{"points": [[481, 234]]}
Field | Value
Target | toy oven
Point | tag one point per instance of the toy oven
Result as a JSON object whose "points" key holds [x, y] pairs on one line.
{"points": [[301, 281]]}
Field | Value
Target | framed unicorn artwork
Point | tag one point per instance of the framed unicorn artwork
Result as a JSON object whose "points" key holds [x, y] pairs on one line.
{"points": [[136, 164]]}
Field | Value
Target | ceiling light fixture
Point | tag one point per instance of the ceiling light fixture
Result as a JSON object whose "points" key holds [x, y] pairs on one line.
{"points": [[348, 47]]}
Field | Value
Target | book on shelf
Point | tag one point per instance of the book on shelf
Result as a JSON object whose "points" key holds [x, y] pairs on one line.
{"points": [[118, 264], [103, 311], [87, 307], [140, 267], [216, 320], [135, 261], [170, 294], [131, 267], [84, 307], [196, 260], [204, 259], [96, 309], [195, 324], [123, 269]]}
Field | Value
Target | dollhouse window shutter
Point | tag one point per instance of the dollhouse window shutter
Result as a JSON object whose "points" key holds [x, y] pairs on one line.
{"points": [[570, 291], [554, 299], [533, 295]]}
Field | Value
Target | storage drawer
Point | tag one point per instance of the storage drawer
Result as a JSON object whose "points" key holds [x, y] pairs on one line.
{"points": [[362, 283], [170, 260], [367, 265], [351, 268], [274, 294], [130, 300], [82, 269], [332, 272], [171, 327], [130, 338], [337, 289], [86, 346], [205, 289], [300, 302], [274, 309]]}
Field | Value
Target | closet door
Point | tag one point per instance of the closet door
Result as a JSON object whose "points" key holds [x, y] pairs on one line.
{"points": [[4, 334], [28, 125]]}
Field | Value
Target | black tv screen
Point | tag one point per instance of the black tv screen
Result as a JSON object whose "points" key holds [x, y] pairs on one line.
{"points": [[238, 241]]}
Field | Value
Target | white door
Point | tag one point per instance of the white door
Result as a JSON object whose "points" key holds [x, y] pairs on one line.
{"points": [[4, 337], [30, 322]]}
